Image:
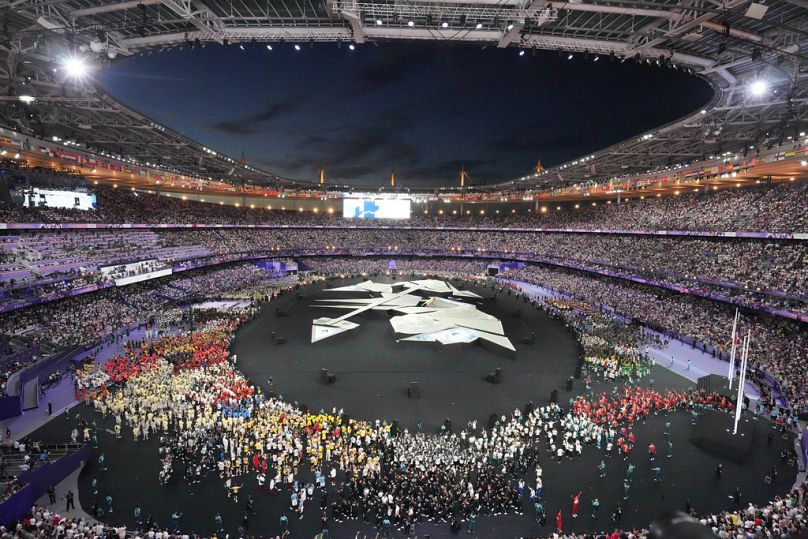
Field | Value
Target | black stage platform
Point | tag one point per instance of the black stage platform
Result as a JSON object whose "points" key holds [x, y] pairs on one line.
{"points": [[713, 433], [373, 371], [452, 385]]}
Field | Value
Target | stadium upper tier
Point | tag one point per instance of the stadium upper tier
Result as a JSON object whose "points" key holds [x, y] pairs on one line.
{"points": [[776, 208], [752, 53]]}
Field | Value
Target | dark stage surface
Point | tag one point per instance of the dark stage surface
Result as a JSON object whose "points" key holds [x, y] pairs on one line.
{"points": [[132, 475], [373, 371]]}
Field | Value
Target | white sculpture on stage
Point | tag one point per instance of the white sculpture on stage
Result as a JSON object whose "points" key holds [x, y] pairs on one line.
{"points": [[425, 317]]}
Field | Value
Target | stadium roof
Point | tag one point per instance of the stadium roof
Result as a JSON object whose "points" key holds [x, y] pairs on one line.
{"points": [[754, 54]]}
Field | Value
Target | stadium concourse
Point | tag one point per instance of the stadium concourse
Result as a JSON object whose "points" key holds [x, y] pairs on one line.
{"points": [[195, 403]]}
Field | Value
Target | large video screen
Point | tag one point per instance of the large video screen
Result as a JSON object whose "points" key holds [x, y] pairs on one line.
{"points": [[48, 198], [366, 208]]}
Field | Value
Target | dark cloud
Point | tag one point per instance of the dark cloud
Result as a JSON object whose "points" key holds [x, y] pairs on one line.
{"points": [[255, 123]]}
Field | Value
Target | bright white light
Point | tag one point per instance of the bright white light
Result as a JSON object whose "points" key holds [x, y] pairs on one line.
{"points": [[27, 99], [758, 87], [479, 25], [596, 58], [241, 47], [521, 53], [411, 23], [703, 111], [569, 57], [75, 67], [352, 46], [510, 27], [297, 47], [444, 24], [16, 156], [269, 47], [378, 22]]}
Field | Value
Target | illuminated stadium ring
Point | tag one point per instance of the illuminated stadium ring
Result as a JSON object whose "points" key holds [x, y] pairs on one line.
{"points": [[750, 74]]}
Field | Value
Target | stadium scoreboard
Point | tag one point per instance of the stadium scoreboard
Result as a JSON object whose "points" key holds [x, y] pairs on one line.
{"points": [[375, 208]]}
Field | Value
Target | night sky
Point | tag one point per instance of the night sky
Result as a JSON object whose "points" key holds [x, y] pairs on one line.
{"points": [[422, 109]]}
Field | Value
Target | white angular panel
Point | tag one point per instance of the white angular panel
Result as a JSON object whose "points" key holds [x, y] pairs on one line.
{"points": [[432, 319]]}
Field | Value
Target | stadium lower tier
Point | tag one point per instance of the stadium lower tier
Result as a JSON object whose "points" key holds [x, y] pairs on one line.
{"points": [[757, 273], [778, 345], [229, 428]]}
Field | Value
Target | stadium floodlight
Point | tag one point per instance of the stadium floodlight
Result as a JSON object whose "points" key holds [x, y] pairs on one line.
{"points": [[297, 47], [758, 88], [75, 67]]}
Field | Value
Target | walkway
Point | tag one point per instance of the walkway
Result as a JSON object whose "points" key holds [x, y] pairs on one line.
{"points": [[62, 395], [676, 356]]}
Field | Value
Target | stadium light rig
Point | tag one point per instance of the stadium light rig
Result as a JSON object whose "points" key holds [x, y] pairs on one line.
{"points": [[758, 88], [75, 67]]}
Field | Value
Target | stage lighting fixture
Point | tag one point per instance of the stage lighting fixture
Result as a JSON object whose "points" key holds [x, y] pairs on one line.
{"points": [[269, 47], [478, 25], [378, 22], [521, 53], [444, 24], [410, 23], [76, 67], [570, 56], [510, 26], [758, 87], [297, 47], [352, 46], [240, 46], [596, 58]]}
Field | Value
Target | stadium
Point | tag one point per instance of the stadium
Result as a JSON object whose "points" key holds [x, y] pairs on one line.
{"points": [[492, 268]]}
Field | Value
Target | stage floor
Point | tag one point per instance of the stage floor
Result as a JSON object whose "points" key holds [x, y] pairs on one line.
{"points": [[373, 370]]}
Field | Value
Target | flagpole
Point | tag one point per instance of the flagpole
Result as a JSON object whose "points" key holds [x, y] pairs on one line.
{"points": [[731, 374], [742, 379]]}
